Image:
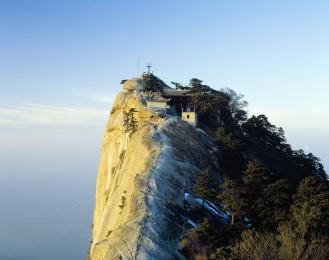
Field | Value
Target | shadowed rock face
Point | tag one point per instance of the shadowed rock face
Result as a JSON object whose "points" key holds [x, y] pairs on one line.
{"points": [[141, 181]]}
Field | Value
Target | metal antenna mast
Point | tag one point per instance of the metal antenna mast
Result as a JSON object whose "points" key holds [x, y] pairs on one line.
{"points": [[149, 66], [138, 67]]}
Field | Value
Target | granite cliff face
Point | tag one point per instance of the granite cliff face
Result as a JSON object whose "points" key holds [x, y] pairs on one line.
{"points": [[141, 180]]}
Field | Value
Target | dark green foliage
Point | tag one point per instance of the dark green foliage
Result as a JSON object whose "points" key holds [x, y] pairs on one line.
{"points": [[296, 246], [236, 105], [223, 252], [240, 116], [260, 129], [255, 198], [226, 140], [123, 81], [265, 140], [152, 83], [264, 203], [257, 246], [206, 233], [130, 121], [278, 197], [195, 83], [277, 200], [301, 165], [179, 86], [233, 199], [199, 240], [206, 238], [205, 187], [209, 103], [310, 209], [215, 107], [231, 156], [255, 179]]}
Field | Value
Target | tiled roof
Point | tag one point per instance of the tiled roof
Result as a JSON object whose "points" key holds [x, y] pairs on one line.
{"points": [[176, 93]]}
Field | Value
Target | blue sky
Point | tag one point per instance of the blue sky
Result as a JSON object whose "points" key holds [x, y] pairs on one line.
{"points": [[61, 62]]}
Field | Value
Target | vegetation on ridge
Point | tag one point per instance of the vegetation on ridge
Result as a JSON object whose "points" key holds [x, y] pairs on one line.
{"points": [[153, 83], [277, 198]]}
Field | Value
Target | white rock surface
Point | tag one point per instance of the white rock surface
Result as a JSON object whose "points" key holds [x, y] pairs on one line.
{"points": [[142, 179]]}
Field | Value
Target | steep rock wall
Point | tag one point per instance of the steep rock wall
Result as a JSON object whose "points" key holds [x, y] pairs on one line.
{"points": [[141, 181]]}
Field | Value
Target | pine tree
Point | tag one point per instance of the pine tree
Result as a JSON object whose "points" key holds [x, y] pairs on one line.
{"points": [[277, 197], [254, 198], [234, 199], [231, 157], [255, 176], [310, 208], [255, 179], [205, 187], [130, 121]]}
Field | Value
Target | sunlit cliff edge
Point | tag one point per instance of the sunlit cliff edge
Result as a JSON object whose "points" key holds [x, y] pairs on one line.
{"points": [[142, 178]]}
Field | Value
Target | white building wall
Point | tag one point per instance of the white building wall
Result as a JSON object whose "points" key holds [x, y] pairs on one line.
{"points": [[157, 104], [190, 117]]}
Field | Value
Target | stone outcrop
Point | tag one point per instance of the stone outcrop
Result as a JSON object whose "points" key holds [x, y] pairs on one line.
{"points": [[141, 180]]}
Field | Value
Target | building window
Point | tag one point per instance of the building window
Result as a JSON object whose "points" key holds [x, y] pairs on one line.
{"points": [[188, 116]]}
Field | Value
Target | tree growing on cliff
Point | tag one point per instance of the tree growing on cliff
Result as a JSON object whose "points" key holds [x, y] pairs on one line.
{"points": [[130, 121], [233, 199], [256, 198], [231, 157], [277, 200], [236, 105], [180, 86], [152, 83], [310, 209], [207, 101], [205, 187], [260, 129], [244, 197]]}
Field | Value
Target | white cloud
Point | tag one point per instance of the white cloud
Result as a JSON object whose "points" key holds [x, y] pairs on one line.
{"points": [[40, 114]]}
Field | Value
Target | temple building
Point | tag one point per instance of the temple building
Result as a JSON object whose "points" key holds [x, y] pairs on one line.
{"points": [[158, 101], [180, 100]]}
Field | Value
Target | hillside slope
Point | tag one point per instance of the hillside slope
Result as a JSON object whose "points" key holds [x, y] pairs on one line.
{"points": [[141, 180]]}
